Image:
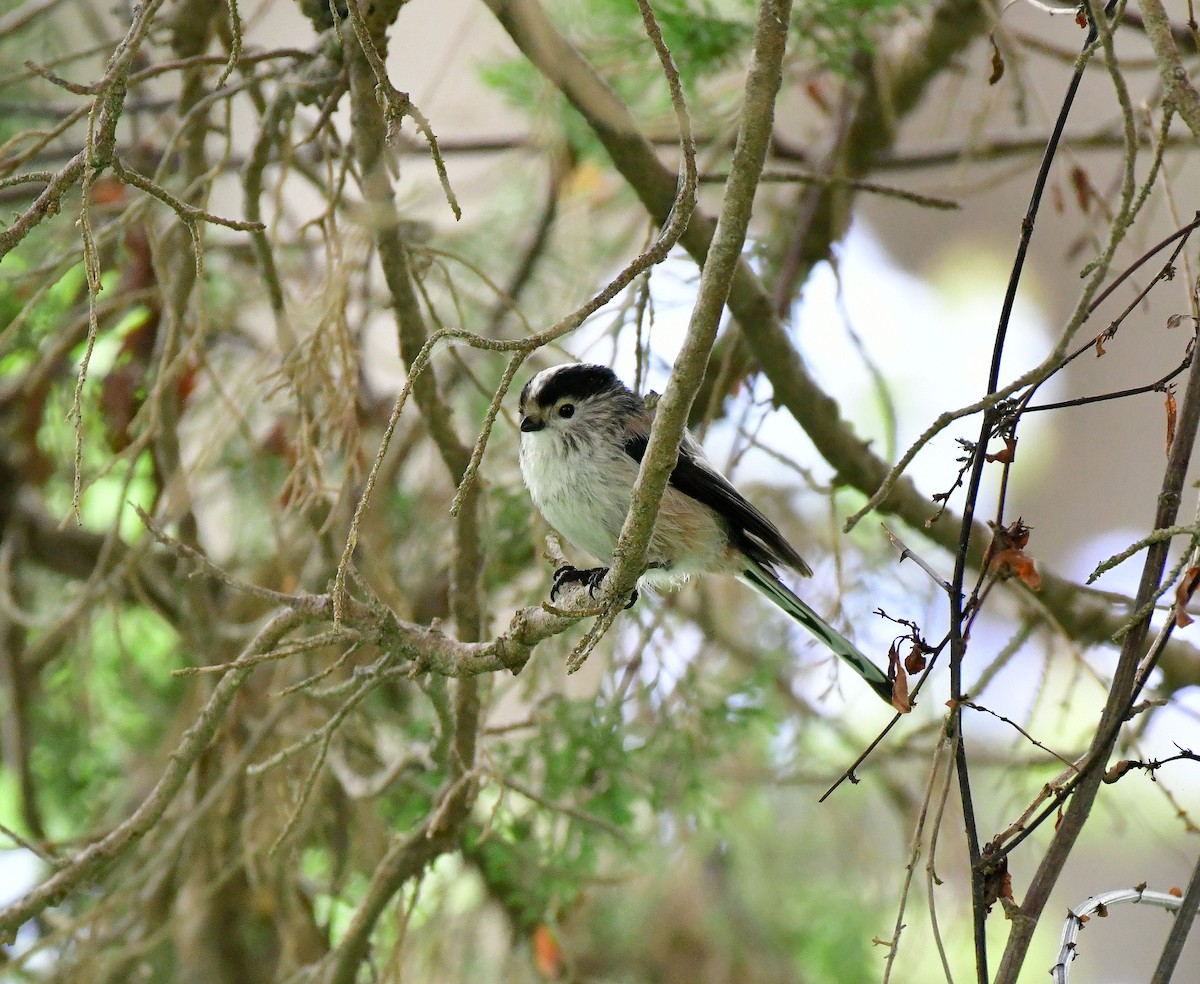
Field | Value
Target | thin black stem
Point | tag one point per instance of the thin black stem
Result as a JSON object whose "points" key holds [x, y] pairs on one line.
{"points": [[1158, 386], [957, 636], [1182, 236], [848, 772]]}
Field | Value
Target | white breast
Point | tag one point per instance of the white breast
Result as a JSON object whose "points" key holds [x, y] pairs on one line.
{"points": [[581, 491]]}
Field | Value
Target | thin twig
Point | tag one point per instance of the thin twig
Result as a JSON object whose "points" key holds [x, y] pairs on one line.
{"points": [[907, 553], [104, 851], [671, 412]]}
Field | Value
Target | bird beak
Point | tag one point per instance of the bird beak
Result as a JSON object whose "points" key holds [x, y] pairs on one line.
{"points": [[531, 424]]}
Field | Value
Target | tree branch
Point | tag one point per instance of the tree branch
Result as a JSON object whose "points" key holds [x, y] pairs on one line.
{"points": [[1170, 66], [1120, 694], [1084, 615], [671, 413], [88, 862]]}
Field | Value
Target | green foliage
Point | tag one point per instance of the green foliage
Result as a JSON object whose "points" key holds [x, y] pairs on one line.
{"points": [[53, 301], [104, 705], [707, 40], [834, 33]]}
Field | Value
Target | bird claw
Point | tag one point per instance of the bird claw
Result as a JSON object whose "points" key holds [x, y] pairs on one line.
{"points": [[593, 577], [565, 575]]}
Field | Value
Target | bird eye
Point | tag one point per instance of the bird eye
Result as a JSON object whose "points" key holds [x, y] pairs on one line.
{"points": [[566, 410]]}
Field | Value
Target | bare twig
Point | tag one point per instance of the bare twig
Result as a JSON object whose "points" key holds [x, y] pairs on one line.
{"points": [[1120, 695], [907, 553], [671, 412]]}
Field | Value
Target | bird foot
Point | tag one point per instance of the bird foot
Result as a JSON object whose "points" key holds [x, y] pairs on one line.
{"points": [[593, 577]]}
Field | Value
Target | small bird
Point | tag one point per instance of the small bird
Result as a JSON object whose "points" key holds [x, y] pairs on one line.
{"points": [[583, 435]]}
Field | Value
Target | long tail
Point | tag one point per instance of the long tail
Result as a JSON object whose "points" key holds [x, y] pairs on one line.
{"points": [[769, 585]]}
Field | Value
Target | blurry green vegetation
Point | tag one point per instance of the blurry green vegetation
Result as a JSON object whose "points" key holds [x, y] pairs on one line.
{"points": [[710, 42], [651, 819]]}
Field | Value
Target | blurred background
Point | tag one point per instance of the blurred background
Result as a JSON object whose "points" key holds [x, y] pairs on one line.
{"points": [[657, 816]]}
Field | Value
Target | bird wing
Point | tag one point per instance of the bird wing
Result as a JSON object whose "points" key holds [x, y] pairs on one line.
{"points": [[750, 530]]}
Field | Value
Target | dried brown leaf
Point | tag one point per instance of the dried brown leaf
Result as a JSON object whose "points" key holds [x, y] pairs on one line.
{"points": [[1007, 454], [997, 882], [1017, 563], [547, 954], [817, 95], [1183, 594], [1006, 556], [997, 62], [1082, 186], [900, 699], [1172, 410]]}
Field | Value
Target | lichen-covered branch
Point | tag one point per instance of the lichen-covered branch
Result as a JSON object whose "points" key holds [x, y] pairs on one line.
{"points": [[92, 859], [724, 255], [952, 24]]}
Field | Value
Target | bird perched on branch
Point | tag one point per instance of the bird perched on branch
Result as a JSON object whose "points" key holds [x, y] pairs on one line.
{"points": [[583, 435]]}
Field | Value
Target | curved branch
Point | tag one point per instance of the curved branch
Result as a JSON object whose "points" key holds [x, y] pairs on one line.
{"points": [[1084, 615], [108, 849], [724, 255]]}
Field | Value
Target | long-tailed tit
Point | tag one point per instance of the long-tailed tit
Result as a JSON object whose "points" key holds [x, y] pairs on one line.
{"points": [[583, 435]]}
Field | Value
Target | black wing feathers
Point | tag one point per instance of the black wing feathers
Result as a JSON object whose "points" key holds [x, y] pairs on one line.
{"points": [[750, 530]]}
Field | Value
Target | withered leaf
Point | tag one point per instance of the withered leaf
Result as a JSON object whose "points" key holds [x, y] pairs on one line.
{"points": [[1006, 555], [915, 661], [1083, 188], [817, 95], [1174, 321], [1171, 413], [997, 882], [900, 698], [1017, 563], [997, 62], [547, 954], [1183, 594], [1019, 533], [1105, 336], [1007, 454]]}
